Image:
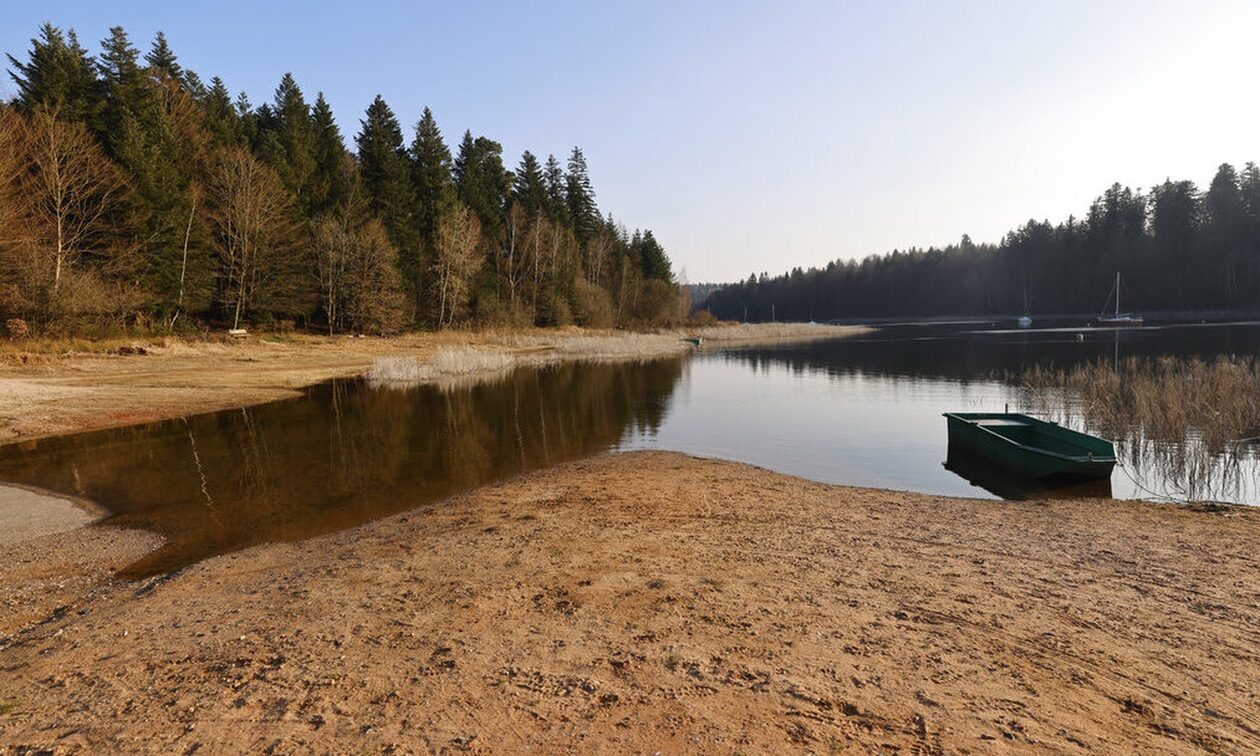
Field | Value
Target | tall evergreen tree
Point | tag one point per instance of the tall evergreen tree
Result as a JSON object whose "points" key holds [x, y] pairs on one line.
{"points": [[248, 119], [329, 182], [653, 261], [1174, 227], [483, 184], [386, 174], [1224, 228], [221, 119], [59, 73], [162, 59], [529, 187], [580, 198], [557, 202], [128, 94], [431, 175], [143, 134], [286, 140]]}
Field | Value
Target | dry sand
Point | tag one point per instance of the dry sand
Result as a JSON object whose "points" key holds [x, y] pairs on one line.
{"points": [[656, 602]]}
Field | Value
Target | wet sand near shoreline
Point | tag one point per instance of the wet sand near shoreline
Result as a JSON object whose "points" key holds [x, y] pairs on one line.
{"points": [[26, 513], [656, 602]]}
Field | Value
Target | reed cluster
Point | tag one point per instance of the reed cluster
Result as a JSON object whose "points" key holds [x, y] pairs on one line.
{"points": [[448, 363], [1195, 421]]}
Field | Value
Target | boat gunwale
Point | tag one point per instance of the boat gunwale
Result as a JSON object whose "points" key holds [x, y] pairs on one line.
{"points": [[1088, 458]]}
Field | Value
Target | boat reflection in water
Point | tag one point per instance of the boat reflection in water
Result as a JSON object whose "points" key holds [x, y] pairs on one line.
{"points": [[1007, 485]]}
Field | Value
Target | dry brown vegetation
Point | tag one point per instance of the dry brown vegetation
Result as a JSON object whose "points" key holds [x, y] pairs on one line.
{"points": [[1195, 421], [59, 202]]}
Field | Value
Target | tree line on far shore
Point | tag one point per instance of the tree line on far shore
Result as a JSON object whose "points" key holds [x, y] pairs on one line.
{"points": [[1176, 247], [133, 193]]}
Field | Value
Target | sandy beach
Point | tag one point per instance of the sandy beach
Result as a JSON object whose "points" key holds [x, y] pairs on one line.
{"points": [[653, 602]]}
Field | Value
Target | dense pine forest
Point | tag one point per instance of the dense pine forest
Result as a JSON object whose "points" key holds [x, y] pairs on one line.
{"points": [[134, 194], [1177, 248]]}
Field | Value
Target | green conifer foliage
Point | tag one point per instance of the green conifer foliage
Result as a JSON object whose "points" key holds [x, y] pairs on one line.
{"points": [[529, 187], [59, 73], [286, 140], [482, 184], [386, 174], [220, 118], [162, 59], [653, 262], [431, 175], [580, 198], [557, 202], [328, 185]]}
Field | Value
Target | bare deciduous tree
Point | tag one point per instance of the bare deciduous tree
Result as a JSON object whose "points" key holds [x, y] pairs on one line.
{"points": [[332, 245], [73, 189], [457, 261], [15, 227], [252, 230], [514, 262], [359, 280], [684, 295], [598, 252], [377, 299]]}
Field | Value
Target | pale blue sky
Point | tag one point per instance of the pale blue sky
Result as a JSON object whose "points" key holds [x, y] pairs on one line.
{"points": [[759, 136]]}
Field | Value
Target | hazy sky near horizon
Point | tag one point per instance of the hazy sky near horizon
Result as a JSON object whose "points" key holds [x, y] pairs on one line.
{"points": [[755, 136]]}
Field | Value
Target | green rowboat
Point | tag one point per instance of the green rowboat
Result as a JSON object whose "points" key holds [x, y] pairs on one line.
{"points": [[1031, 447]]}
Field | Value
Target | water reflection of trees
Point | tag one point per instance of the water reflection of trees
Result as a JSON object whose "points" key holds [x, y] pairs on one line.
{"points": [[341, 455], [955, 353]]}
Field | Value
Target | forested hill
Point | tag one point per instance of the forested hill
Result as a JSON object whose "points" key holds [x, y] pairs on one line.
{"points": [[1177, 248], [134, 192]]}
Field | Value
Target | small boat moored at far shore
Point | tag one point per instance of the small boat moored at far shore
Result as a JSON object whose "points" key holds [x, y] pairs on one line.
{"points": [[1031, 447], [1118, 318]]}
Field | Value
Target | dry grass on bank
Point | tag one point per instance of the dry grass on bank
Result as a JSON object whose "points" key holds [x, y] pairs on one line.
{"points": [[1192, 423], [772, 331], [462, 363], [447, 362], [1167, 399]]}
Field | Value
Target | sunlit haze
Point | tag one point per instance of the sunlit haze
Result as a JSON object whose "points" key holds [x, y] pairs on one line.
{"points": [[761, 136]]}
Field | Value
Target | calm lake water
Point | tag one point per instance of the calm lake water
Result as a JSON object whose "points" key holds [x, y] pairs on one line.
{"points": [[860, 411]]}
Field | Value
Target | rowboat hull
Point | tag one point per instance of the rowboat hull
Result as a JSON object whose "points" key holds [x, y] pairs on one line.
{"points": [[1030, 447]]}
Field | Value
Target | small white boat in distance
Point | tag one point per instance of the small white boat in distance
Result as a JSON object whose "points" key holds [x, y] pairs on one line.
{"points": [[1118, 318], [1025, 320]]}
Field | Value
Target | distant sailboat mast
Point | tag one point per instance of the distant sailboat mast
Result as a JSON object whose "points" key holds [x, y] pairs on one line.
{"points": [[1025, 320], [1117, 319]]}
